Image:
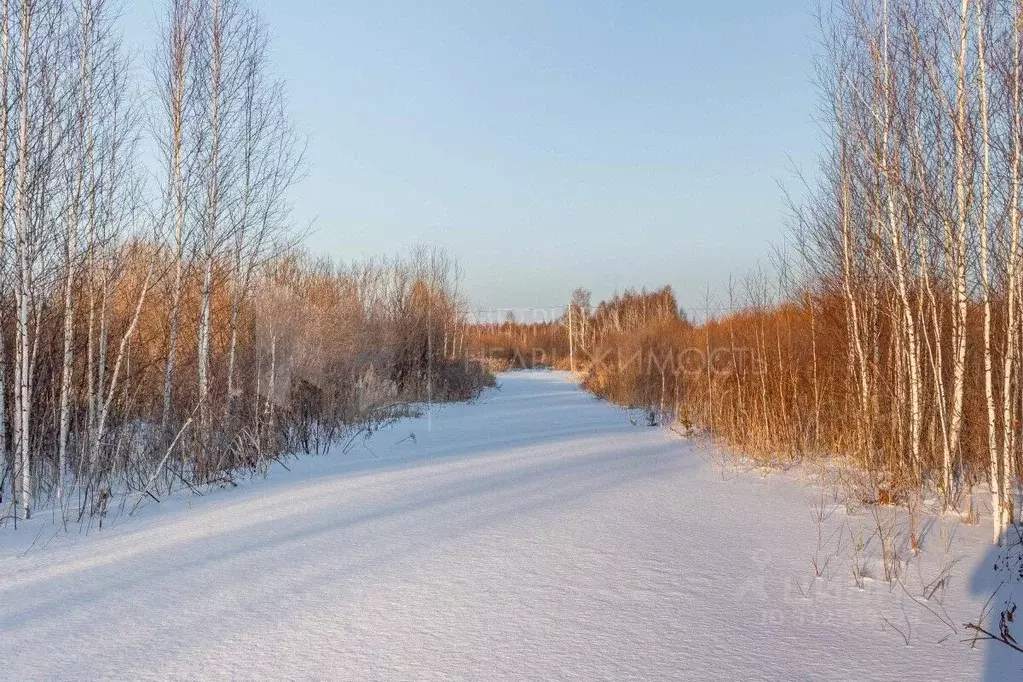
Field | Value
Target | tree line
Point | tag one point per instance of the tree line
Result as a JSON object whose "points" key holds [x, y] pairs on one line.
{"points": [[891, 334], [160, 325]]}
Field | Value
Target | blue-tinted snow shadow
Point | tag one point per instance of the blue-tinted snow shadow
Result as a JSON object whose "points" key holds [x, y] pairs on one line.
{"points": [[998, 579], [363, 459], [524, 489]]}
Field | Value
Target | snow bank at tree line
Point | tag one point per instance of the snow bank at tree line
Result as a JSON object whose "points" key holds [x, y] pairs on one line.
{"points": [[537, 534]]}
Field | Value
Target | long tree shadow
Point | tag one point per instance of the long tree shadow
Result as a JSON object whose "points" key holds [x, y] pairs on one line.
{"points": [[321, 477], [526, 488]]}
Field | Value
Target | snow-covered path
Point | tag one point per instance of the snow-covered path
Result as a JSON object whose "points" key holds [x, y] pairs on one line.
{"points": [[537, 534]]}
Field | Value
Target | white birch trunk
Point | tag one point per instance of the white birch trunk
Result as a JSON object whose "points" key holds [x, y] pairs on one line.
{"points": [[23, 287], [997, 494]]}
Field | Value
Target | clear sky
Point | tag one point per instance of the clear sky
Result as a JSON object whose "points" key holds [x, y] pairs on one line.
{"points": [[548, 144]]}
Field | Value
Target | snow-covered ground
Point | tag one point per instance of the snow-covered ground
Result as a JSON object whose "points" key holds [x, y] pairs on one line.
{"points": [[537, 534]]}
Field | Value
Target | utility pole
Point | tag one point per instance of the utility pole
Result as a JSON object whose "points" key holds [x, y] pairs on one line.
{"points": [[571, 347]]}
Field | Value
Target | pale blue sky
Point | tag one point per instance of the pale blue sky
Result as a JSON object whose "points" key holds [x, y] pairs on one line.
{"points": [[548, 145]]}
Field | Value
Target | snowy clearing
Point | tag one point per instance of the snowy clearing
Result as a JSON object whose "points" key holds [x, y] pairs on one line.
{"points": [[537, 534]]}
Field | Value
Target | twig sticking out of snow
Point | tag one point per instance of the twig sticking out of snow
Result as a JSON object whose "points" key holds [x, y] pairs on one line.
{"points": [[163, 462]]}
